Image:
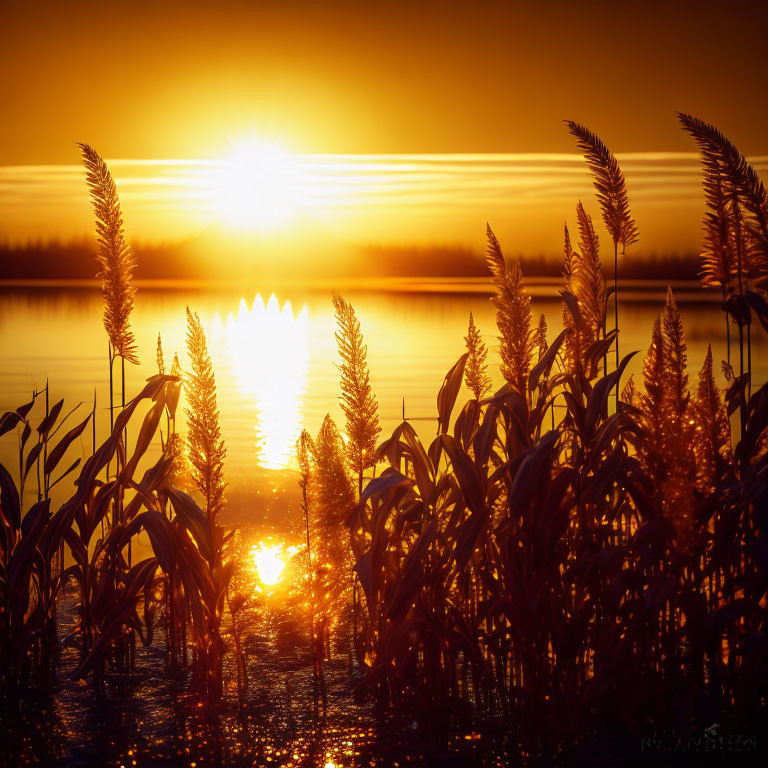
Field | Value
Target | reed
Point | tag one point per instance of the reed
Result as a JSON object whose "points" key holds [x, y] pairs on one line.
{"points": [[117, 263], [205, 447], [611, 188], [513, 316], [576, 579], [550, 578], [476, 370], [735, 243], [358, 402]]}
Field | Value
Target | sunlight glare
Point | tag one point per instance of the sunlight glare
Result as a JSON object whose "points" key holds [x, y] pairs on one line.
{"points": [[258, 186], [268, 561], [269, 349]]}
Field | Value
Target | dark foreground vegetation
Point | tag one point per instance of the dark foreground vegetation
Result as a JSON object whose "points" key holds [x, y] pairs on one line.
{"points": [[578, 565]]}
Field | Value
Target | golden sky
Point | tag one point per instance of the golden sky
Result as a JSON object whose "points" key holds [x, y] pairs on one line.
{"points": [[489, 82]]}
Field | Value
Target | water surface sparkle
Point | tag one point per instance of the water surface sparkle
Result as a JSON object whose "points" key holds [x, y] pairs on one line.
{"points": [[269, 352]]}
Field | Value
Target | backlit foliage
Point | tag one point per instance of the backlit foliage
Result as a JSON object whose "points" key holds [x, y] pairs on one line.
{"points": [[476, 370], [713, 430], [361, 411], [205, 446], [114, 255], [610, 185], [513, 316], [544, 567], [736, 225], [332, 499]]}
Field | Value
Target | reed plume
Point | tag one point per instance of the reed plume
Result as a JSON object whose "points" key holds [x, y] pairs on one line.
{"points": [[713, 430], [159, 357], [668, 420], [332, 501], [589, 271], [305, 448], [114, 255], [575, 341], [718, 262], [610, 184], [735, 229], [205, 446], [333, 493], [569, 266], [172, 443], [611, 187], [585, 276], [476, 369], [725, 166], [513, 317], [357, 399]]}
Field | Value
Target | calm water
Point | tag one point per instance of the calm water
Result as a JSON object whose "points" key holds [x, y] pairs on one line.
{"points": [[275, 358]]}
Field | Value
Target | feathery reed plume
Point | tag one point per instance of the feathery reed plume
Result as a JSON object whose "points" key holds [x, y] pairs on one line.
{"points": [[205, 447], [332, 489], [576, 341], [114, 255], [610, 184], [653, 374], [676, 357], [357, 400], [611, 187], [713, 430], [476, 370], [678, 421], [172, 444], [590, 285], [668, 421], [159, 356], [305, 449], [589, 271], [741, 185], [569, 267], [718, 267], [513, 317], [736, 227]]}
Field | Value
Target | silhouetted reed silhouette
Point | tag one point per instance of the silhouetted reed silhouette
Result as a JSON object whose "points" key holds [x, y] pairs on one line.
{"points": [[579, 572]]}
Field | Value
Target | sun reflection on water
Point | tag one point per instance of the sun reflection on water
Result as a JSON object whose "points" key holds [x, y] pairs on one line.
{"points": [[269, 348], [270, 561]]}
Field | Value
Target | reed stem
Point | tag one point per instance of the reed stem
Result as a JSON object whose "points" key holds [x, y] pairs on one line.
{"points": [[616, 310]]}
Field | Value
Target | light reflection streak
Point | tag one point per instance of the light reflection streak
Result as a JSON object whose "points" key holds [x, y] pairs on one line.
{"points": [[269, 350]]}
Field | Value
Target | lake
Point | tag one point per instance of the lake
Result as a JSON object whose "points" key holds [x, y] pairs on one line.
{"points": [[275, 357]]}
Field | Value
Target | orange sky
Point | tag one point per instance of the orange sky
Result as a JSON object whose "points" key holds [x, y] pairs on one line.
{"points": [[165, 80], [171, 79]]}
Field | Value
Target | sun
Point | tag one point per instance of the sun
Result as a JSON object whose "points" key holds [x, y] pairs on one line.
{"points": [[258, 186]]}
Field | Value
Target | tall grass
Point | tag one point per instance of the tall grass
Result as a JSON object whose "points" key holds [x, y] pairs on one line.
{"points": [[611, 188], [577, 573], [604, 575]]}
